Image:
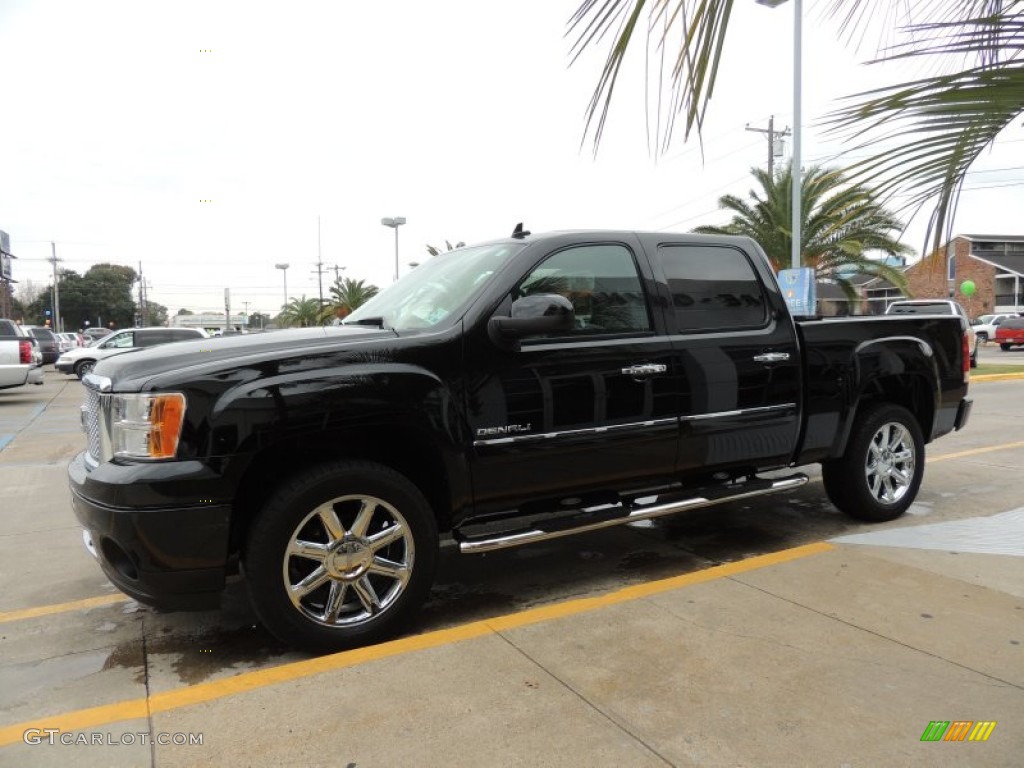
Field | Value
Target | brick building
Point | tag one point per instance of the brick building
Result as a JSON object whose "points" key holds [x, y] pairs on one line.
{"points": [[994, 263]]}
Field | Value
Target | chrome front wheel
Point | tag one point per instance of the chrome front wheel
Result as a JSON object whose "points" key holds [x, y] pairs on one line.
{"points": [[341, 555], [348, 561]]}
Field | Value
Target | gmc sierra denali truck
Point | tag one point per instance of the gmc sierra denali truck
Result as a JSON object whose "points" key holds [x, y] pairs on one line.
{"points": [[501, 394]]}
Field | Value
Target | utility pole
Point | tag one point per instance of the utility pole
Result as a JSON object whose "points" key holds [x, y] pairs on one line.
{"points": [[56, 290], [319, 265], [246, 321], [337, 272], [143, 315], [773, 136]]}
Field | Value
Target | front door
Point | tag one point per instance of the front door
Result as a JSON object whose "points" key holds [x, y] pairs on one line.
{"points": [[563, 418]]}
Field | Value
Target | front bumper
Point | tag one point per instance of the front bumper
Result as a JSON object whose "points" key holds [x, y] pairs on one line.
{"points": [[172, 556], [65, 366]]}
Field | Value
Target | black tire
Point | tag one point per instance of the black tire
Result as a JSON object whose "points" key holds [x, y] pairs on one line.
{"points": [[1005, 347], [974, 358], [353, 568], [83, 367], [878, 477], [982, 337]]}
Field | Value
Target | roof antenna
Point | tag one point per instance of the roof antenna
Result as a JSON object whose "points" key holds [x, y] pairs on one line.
{"points": [[519, 233]]}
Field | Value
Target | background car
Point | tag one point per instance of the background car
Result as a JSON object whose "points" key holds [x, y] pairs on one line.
{"points": [[1010, 333], [49, 344], [82, 360], [985, 326], [938, 307], [67, 341], [92, 334]]}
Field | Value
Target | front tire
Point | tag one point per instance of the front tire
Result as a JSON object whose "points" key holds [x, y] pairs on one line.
{"points": [[341, 555], [1005, 347], [83, 367], [878, 477]]}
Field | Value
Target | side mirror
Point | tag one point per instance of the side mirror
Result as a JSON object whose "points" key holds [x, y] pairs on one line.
{"points": [[532, 316]]}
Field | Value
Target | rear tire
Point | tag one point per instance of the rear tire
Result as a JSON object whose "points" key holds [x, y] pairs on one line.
{"points": [[1005, 347], [878, 477], [341, 555]]}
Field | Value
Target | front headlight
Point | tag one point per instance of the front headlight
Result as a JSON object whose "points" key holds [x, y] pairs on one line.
{"points": [[146, 426]]}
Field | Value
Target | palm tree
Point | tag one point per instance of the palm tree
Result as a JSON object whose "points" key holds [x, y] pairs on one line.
{"points": [[301, 312], [924, 134], [347, 295], [434, 250], [840, 223]]}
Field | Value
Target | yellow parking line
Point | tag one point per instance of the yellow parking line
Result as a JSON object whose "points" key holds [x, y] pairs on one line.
{"points": [[976, 451], [195, 694], [73, 605]]}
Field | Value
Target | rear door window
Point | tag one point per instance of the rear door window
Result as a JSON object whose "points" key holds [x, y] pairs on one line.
{"points": [[714, 288]]}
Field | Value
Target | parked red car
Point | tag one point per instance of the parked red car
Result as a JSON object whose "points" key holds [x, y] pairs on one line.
{"points": [[1010, 332]]}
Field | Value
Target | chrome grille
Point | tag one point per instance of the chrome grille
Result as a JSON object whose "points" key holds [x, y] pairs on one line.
{"points": [[91, 421], [94, 418]]}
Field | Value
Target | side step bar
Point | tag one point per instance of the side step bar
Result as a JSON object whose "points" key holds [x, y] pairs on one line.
{"points": [[607, 515]]}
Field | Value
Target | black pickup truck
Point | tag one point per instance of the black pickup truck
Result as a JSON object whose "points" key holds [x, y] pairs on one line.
{"points": [[500, 394]]}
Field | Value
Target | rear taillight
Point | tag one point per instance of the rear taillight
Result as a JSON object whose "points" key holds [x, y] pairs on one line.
{"points": [[25, 352], [967, 357]]}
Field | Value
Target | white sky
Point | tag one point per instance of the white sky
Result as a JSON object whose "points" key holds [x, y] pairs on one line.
{"points": [[461, 115]]}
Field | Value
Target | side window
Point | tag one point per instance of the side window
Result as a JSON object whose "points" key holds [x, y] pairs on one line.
{"points": [[602, 283], [150, 338], [120, 341], [713, 287]]}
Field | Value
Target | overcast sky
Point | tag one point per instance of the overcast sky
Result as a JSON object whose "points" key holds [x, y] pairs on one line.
{"points": [[122, 119]]}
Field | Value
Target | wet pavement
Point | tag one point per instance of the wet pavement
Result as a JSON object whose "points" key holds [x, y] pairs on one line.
{"points": [[79, 657]]}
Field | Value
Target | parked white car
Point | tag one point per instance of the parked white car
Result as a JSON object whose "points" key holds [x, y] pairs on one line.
{"points": [[985, 326], [83, 359]]}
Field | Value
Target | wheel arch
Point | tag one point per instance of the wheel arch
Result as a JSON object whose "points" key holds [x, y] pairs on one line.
{"points": [[407, 450]]}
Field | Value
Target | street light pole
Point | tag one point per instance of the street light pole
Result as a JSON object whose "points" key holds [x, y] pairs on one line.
{"points": [[796, 176], [284, 273], [394, 223]]}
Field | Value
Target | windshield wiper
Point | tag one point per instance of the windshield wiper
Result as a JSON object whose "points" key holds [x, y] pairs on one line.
{"points": [[377, 321]]}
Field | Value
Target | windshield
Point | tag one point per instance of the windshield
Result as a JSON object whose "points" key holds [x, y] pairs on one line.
{"points": [[435, 289]]}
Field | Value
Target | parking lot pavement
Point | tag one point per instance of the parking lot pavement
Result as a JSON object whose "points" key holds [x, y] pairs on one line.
{"points": [[731, 637]]}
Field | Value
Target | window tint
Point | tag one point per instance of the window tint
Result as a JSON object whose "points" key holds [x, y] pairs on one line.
{"points": [[150, 338], [602, 283], [713, 287]]}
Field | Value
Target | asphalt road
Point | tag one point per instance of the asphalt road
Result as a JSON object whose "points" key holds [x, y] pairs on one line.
{"points": [[70, 641]]}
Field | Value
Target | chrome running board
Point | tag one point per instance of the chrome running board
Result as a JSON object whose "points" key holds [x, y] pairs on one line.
{"points": [[619, 514]]}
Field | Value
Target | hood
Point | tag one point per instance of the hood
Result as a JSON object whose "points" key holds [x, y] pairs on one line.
{"points": [[179, 356]]}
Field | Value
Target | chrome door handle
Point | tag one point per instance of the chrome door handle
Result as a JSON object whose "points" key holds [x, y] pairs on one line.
{"points": [[648, 369], [772, 357]]}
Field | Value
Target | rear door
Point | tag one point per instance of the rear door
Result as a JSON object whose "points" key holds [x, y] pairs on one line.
{"points": [[735, 352], [565, 417]]}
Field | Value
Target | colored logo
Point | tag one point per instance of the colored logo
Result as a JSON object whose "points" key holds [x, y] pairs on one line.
{"points": [[958, 730]]}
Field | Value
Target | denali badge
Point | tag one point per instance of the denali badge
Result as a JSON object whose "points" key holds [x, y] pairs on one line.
{"points": [[511, 429]]}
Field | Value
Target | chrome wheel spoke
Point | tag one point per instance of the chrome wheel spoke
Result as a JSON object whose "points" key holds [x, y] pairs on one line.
{"points": [[388, 536], [316, 579], [389, 568], [362, 521], [335, 600], [874, 482], [367, 595], [311, 550], [331, 523]]}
